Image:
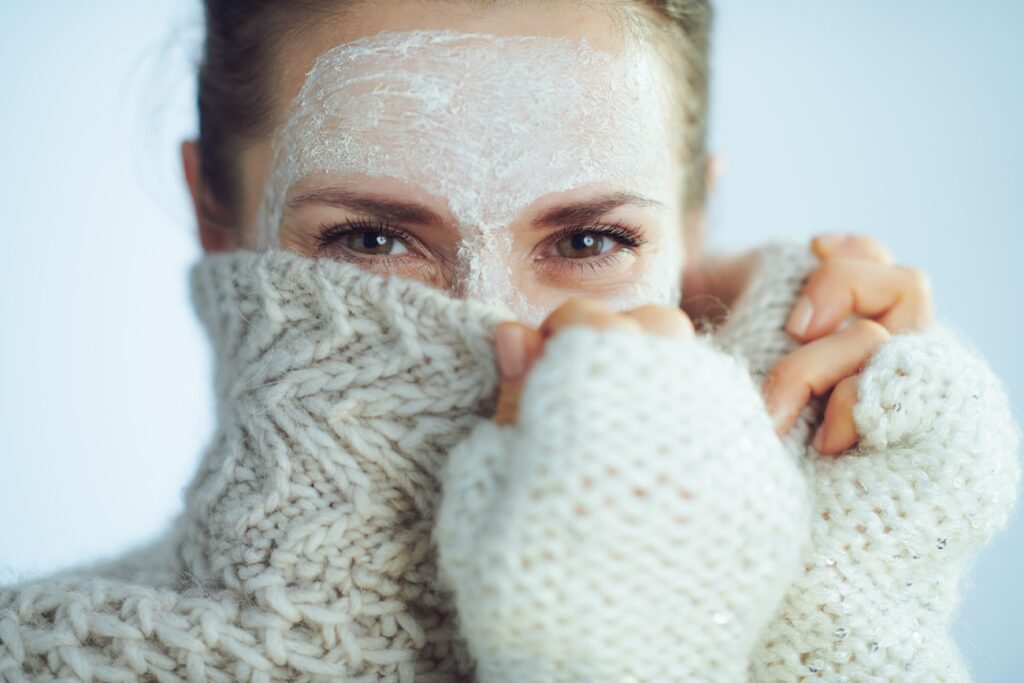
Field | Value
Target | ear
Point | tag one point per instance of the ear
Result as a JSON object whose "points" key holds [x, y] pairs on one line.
{"points": [[209, 215]]}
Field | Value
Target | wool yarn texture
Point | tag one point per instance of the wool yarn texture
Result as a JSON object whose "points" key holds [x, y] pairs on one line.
{"points": [[356, 515]]}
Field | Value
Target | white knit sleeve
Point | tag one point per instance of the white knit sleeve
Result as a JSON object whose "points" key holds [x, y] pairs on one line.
{"points": [[932, 400], [640, 522], [931, 406], [898, 519]]}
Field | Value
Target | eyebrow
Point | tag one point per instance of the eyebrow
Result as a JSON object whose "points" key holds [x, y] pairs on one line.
{"points": [[576, 213], [385, 209], [590, 210]]}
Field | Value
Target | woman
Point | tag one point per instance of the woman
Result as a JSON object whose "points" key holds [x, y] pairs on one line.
{"points": [[631, 513]]}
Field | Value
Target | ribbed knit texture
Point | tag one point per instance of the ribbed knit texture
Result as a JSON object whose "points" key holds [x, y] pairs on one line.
{"points": [[357, 517]]}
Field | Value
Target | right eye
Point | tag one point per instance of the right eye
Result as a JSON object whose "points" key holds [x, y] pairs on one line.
{"points": [[363, 239], [373, 243]]}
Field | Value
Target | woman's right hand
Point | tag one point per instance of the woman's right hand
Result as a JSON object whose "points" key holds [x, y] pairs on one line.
{"points": [[519, 346]]}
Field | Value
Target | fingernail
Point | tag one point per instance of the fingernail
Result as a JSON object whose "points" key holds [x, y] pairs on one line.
{"points": [[509, 341], [819, 439], [800, 316]]}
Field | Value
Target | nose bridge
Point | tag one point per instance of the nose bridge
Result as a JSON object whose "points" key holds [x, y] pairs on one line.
{"points": [[482, 264], [459, 288], [484, 278], [463, 269]]}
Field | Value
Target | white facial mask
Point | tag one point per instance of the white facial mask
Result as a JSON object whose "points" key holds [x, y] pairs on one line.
{"points": [[489, 124]]}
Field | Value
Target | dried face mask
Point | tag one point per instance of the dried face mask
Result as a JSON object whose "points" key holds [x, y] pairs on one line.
{"points": [[488, 124]]}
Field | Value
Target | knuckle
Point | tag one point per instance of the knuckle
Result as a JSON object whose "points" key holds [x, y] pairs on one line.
{"points": [[785, 370], [866, 247], [651, 311], [828, 278], [862, 241], [818, 279], [847, 388], [621, 322], [877, 251], [573, 312], [869, 329], [830, 270], [684, 322], [582, 306], [870, 242], [669, 314], [918, 279], [661, 319]]}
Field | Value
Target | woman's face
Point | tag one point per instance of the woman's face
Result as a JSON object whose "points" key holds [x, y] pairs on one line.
{"points": [[519, 155]]}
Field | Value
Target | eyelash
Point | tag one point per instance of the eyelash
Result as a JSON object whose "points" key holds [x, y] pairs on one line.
{"points": [[628, 237], [331, 233]]}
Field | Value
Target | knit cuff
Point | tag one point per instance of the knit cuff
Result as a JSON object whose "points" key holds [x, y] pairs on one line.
{"points": [[642, 518], [931, 399], [898, 519]]}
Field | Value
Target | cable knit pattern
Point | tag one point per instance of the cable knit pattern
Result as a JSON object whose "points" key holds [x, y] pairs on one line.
{"points": [[303, 552], [357, 517]]}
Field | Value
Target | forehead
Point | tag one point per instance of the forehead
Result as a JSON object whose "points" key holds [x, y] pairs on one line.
{"points": [[487, 122]]}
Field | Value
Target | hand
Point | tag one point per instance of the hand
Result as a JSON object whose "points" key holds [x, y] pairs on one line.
{"points": [[519, 346], [857, 276]]}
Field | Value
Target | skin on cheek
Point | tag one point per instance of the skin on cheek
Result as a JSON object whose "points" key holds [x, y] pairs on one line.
{"points": [[491, 124]]}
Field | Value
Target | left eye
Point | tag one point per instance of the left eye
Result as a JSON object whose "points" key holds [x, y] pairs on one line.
{"points": [[583, 245]]}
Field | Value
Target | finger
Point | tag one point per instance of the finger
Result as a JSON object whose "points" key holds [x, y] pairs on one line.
{"points": [[850, 246], [898, 297], [838, 431], [813, 369], [586, 313], [662, 320], [517, 347]]}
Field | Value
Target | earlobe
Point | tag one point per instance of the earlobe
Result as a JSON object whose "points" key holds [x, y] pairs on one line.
{"points": [[212, 235]]}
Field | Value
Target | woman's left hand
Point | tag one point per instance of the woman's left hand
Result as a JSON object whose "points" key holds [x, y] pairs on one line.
{"points": [[857, 276]]}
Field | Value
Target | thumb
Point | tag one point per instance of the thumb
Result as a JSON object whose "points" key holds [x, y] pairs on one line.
{"points": [[518, 347]]}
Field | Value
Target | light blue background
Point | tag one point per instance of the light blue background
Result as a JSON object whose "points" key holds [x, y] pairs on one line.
{"points": [[896, 119]]}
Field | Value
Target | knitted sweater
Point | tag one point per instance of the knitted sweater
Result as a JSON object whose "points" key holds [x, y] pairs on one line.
{"points": [[356, 516]]}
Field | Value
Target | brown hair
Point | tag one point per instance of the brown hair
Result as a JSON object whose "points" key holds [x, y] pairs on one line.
{"points": [[236, 107]]}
